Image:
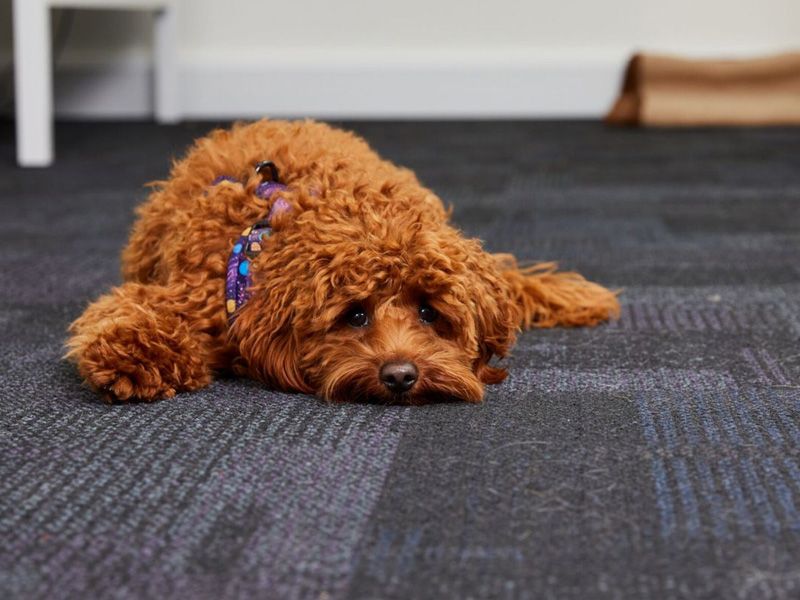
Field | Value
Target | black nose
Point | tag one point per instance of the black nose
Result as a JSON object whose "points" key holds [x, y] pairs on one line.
{"points": [[399, 376]]}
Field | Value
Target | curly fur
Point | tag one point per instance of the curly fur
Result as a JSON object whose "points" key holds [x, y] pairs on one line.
{"points": [[361, 231]]}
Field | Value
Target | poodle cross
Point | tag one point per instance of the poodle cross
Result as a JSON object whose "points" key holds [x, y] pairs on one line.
{"points": [[347, 282]]}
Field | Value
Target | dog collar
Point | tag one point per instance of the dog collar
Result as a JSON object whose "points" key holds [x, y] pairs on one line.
{"points": [[250, 243]]}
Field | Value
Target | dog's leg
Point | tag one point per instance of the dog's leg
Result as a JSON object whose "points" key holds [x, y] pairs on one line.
{"points": [[136, 343], [547, 297]]}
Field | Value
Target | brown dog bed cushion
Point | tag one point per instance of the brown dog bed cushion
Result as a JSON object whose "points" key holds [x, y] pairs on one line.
{"points": [[669, 91]]}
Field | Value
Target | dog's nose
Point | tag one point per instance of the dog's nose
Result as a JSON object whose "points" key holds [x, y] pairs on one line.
{"points": [[399, 376]]}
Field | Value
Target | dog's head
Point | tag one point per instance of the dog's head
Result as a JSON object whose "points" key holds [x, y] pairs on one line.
{"points": [[371, 296]]}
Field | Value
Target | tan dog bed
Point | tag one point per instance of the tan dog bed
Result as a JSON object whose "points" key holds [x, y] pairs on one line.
{"points": [[668, 91]]}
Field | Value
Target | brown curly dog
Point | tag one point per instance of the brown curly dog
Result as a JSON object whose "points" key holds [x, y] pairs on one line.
{"points": [[359, 289]]}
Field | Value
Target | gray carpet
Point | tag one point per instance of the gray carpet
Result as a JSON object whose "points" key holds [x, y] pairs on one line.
{"points": [[658, 457]]}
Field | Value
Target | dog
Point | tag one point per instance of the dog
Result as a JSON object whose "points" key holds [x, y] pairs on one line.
{"points": [[291, 253]]}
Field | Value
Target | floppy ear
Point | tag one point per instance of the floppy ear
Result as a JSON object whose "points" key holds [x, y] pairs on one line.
{"points": [[267, 338], [547, 297], [497, 320], [510, 298]]}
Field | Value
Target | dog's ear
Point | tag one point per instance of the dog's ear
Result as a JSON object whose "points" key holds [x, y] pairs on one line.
{"points": [[534, 296], [267, 340], [497, 319]]}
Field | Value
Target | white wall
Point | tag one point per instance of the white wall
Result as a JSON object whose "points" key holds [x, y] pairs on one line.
{"points": [[246, 58]]}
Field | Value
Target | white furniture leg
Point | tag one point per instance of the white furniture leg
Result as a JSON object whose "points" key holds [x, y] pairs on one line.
{"points": [[165, 64], [33, 70], [33, 81]]}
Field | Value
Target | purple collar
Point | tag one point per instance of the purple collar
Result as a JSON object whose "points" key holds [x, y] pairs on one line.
{"points": [[248, 246]]}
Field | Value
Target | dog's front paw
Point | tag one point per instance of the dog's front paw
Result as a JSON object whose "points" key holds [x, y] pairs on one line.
{"points": [[137, 357], [120, 387]]}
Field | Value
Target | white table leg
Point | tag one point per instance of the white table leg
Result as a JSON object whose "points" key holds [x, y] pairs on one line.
{"points": [[165, 69], [33, 80]]}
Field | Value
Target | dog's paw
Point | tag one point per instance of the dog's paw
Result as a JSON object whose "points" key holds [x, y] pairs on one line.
{"points": [[130, 361], [119, 387]]}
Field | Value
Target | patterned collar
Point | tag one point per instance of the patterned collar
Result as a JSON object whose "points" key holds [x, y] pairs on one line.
{"points": [[249, 244]]}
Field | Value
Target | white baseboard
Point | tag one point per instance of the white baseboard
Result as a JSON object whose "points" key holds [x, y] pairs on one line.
{"points": [[350, 84], [432, 84]]}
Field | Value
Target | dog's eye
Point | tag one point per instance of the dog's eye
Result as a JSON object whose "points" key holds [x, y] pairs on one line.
{"points": [[357, 317], [427, 314]]}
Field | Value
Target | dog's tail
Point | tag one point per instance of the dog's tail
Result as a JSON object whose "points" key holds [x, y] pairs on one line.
{"points": [[547, 297]]}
